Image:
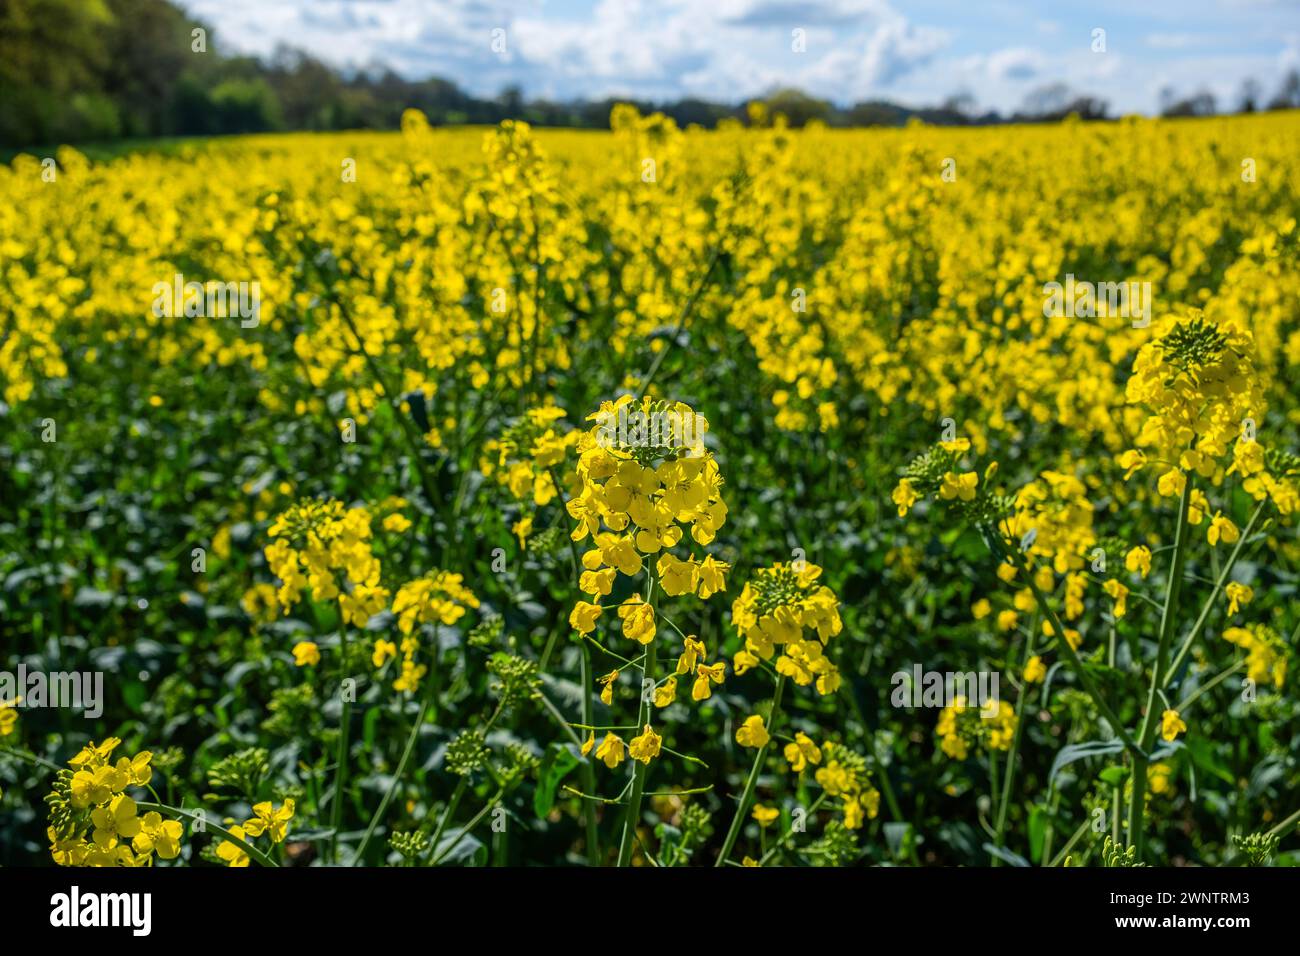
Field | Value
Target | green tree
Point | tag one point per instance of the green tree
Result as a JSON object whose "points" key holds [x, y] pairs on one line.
{"points": [[52, 53]]}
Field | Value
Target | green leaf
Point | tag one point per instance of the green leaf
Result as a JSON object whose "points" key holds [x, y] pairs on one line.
{"points": [[557, 763], [1115, 776], [456, 848], [969, 545], [1037, 833], [370, 727], [1005, 855], [134, 695], [1203, 756], [1079, 751]]}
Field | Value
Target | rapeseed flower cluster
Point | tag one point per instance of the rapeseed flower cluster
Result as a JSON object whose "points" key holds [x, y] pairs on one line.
{"points": [[962, 726], [638, 497], [267, 820], [784, 608], [525, 456], [325, 548], [438, 598], [842, 773], [1199, 383], [95, 822], [1267, 654]]}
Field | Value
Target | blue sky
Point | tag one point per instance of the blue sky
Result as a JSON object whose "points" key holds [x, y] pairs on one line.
{"points": [[913, 52]]}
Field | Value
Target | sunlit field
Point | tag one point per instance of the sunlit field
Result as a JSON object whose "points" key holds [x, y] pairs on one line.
{"points": [[488, 496]]}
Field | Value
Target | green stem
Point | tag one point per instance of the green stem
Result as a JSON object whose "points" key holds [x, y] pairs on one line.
{"points": [[31, 757], [882, 773], [585, 680], [1147, 735], [738, 820], [546, 651], [1049, 837], [588, 768], [639, 771], [448, 810], [1183, 705], [466, 828], [1219, 584], [1072, 656], [1069, 844], [1289, 821], [1010, 777], [341, 759], [993, 787], [561, 721], [392, 787]]}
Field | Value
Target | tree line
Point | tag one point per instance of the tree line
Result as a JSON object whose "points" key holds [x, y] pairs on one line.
{"points": [[98, 70]]}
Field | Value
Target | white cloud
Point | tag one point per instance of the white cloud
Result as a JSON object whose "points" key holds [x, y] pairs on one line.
{"points": [[896, 48], [1016, 63], [731, 50], [799, 13], [728, 50]]}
